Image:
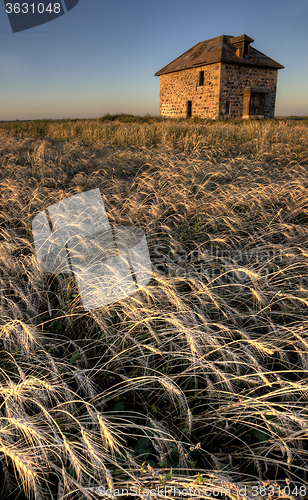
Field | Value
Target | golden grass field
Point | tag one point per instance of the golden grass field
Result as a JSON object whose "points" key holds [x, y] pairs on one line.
{"points": [[198, 380]]}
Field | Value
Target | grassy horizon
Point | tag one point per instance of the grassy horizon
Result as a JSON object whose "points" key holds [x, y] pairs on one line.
{"points": [[201, 378]]}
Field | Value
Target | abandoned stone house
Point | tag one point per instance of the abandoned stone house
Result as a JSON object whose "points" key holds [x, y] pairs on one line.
{"points": [[223, 77]]}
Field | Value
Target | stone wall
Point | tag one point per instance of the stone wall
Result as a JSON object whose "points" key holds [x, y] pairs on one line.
{"points": [[181, 86], [222, 82], [233, 80]]}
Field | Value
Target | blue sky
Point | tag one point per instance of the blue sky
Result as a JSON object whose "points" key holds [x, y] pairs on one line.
{"points": [[102, 55]]}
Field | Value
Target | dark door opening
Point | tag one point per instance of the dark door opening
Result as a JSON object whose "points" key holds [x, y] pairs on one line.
{"points": [[257, 104], [253, 102], [188, 109]]}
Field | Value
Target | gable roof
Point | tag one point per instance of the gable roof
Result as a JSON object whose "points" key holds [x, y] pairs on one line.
{"points": [[218, 49]]}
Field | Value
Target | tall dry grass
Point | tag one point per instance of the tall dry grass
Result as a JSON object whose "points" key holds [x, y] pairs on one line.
{"points": [[199, 379]]}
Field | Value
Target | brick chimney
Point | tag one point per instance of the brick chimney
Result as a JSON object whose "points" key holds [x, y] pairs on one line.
{"points": [[241, 44]]}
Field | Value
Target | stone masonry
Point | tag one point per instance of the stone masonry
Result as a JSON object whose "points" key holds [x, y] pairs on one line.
{"points": [[178, 88], [234, 79], [223, 77]]}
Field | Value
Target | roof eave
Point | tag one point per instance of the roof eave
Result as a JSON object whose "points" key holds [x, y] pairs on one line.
{"points": [[275, 65], [270, 65], [162, 72]]}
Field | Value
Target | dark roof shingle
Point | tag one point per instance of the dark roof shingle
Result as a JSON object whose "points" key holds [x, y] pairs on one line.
{"points": [[218, 49]]}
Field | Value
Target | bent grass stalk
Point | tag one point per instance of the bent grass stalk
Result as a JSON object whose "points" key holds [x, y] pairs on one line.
{"points": [[212, 351]]}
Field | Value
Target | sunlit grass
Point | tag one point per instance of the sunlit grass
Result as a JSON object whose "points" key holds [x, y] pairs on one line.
{"points": [[213, 351]]}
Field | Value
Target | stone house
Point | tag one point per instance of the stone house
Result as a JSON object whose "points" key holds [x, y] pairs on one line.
{"points": [[223, 77]]}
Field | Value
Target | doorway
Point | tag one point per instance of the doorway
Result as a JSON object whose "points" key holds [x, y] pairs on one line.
{"points": [[257, 102], [254, 102], [188, 109]]}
